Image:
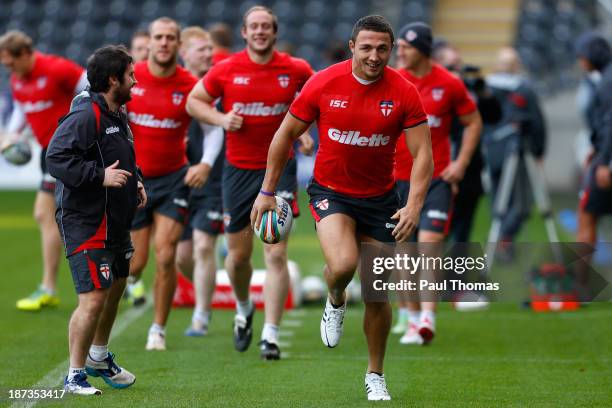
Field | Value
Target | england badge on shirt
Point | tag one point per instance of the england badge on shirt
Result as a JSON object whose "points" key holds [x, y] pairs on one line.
{"points": [[323, 204], [41, 82], [437, 94], [283, 80], [105, 271], [177, 97], [386, 107]]}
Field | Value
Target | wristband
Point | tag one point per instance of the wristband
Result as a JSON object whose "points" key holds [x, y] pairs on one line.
{"points": [[266, 193]]}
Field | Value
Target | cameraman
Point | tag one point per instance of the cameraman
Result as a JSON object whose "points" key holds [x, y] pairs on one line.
{"points": [[521, 128], [470, 188]]}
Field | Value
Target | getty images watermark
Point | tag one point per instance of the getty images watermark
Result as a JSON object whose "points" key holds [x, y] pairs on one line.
{"points": [[443, 272]]}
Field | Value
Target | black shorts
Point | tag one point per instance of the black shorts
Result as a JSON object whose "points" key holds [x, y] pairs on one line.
{"points": [[593, 199], [437, 209], [47, 183], [372, 215], [241, 187], [96, 268], [166, 195], [206, 214]]}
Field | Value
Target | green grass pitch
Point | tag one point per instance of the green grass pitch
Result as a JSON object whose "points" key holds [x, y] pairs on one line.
{"points": [[505, 356]]}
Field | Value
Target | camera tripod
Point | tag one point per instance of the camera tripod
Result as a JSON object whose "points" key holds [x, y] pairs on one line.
{"points": [[535, 178]]}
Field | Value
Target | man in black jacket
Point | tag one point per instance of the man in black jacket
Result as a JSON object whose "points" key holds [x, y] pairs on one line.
{"points": [[98, 190]]}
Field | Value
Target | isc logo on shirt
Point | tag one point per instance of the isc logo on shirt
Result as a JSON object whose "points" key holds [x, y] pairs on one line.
{"points": [[338, 103], [241, 80]]}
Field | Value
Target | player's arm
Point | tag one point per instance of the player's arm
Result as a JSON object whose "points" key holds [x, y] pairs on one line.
{"points": [[472, 127], [290, 129], [15, 124], [212, 143], [418, 141], [200, 107]]}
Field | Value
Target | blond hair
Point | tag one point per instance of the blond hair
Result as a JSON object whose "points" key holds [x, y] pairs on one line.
{"points": [[16, 42]]}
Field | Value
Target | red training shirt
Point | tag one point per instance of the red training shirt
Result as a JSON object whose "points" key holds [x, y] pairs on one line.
{"points": [[359, 126], [159, 120], [444, 96], [46, 92], [261, 94]]}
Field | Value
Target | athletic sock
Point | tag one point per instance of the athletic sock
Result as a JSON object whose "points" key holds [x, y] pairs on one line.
{"points": [[46, 290], [132, 279], [244, 308], [270, 333], [414, 317], [429, 315], [98, 353], [156, 328], [403, 314], [200, 316], [72, 371]]}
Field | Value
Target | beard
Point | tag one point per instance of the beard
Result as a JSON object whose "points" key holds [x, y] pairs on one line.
{"points": [[122, 95]]}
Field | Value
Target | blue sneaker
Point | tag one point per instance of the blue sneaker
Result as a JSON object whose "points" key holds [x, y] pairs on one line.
{"points": [[110, 372], [79, 385]]}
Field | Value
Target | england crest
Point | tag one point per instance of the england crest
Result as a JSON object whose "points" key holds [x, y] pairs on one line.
{"points": [[437, 94], [323, 204], [105, 271], [177, 97], [41, 82], [386, 107], [283, 80]]}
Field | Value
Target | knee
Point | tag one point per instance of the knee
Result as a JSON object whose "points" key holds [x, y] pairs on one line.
{"points": [[238, 258], [342, 266], [164, 256], [43, 215], [137, 263], [276, 255], [93, 303], [203, 250]]}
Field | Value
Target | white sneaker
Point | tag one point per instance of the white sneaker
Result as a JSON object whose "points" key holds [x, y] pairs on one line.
{"points": [[427, 331], [331, 324], [376, 387], [400, 326], [109, 371], [156, 341], [411, 336], [78, 385]]}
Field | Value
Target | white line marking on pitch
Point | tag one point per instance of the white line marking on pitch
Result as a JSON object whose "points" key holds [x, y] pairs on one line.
{"points": [[54, 377], [292, 323]]}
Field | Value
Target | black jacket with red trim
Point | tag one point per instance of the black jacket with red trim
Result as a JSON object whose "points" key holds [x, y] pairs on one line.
{"points": [[87, 140]]}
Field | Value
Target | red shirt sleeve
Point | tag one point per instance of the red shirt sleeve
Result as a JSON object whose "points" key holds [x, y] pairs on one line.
{"points": [[464, 104], [304, 71], [306, 106], [213, 80], [414, 114], [68, 74]]}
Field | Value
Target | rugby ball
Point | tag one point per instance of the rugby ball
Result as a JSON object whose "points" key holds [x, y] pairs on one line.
{"points": [[17, 153], [275, 225]]}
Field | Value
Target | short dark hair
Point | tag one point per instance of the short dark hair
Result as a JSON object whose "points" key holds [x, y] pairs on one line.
{"points": [[261, 8], [106, 62], [375, 23], [165, 20]]}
